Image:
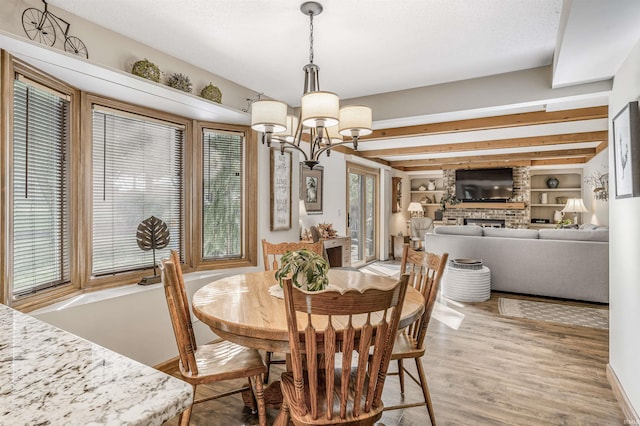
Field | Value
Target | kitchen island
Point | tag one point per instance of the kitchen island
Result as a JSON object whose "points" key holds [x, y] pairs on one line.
{"points": [[50, 376]]}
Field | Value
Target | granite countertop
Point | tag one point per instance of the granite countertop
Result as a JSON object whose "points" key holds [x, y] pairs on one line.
{"points": [[49, 376]]}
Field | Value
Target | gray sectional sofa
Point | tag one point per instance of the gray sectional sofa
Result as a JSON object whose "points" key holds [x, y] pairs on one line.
{"points": [[562, 263]]}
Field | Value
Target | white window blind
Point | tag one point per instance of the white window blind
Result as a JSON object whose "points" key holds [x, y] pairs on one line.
{"points": [[137, 173], [40, 188], [223, 194]]}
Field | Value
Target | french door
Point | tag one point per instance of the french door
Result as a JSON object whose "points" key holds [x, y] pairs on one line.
{"points": [[362, 195]]}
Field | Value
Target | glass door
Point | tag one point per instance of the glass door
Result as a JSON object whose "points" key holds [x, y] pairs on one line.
{"points": [[362, 192]]}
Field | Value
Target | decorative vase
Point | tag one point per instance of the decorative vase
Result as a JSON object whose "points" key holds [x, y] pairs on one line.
{"points": [[552, 182], [557, 216], [431, 186]]}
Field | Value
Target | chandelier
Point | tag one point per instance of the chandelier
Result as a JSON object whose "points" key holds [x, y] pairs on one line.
{"points": [[320, 114]]}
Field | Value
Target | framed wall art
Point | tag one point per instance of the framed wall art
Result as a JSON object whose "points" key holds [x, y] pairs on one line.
{"points": [[311, 188], [626, 151], [396, 194], [280, 190]]}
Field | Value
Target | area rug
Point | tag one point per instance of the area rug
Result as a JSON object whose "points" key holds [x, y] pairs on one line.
{"points": [[554, 312]]}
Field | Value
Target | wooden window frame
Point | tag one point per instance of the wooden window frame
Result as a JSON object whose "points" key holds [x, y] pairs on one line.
{"points": [[10, 67], [250, 242], [80, 184]]}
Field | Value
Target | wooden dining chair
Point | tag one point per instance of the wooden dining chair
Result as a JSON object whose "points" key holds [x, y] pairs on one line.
{"points": [[425, 272], [271, 253], [344, 389], [210, 363]]}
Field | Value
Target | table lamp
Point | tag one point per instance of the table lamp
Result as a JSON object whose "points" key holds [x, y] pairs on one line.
{"points": [[415, 209], [575, 206], [302, 212]]}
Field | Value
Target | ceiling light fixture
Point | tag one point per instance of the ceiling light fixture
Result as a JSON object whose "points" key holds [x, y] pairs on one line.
{"points": [[320, 115]]}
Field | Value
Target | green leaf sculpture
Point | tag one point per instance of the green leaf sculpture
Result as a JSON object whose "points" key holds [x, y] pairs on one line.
{"points": [[152, 234], [307, 269]]}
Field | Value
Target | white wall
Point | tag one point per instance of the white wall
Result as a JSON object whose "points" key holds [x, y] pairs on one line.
{"points": [[624, 252], [598, 209], [113, 50]]}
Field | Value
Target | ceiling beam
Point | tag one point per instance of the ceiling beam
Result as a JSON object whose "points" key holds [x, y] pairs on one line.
{"points": [[486, 123], [491, 144], [559, 161], [566, 153]]}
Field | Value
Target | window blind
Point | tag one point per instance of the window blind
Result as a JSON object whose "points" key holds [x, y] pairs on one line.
{"points": [[223, 194], [40, 188], [137, 173]]}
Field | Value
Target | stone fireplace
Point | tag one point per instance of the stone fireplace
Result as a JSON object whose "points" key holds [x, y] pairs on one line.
{"points": [[512, 218], [488, 223]]}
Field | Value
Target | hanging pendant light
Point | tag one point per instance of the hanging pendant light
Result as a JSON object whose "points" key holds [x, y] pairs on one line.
{"points": [[320, 113]]}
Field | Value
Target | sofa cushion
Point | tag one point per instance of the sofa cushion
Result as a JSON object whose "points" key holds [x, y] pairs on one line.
{"points": [[573, 234], [511, 233], [587, 227], [473, 230]]}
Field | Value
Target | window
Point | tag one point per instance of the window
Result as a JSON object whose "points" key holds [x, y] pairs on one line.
{"points": [[41, 250], [138, 172], [223, 194]]}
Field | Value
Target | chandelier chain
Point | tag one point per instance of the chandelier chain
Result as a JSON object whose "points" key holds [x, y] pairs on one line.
{"points": [[310, 37]]}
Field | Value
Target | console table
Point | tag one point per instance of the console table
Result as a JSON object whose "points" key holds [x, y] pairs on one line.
{"points": [[397, 245], [338, 251]]}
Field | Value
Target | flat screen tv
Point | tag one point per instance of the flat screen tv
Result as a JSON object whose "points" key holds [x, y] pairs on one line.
{"points": [[484, 185]]}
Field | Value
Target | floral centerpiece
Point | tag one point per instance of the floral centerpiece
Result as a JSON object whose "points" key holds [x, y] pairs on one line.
{"points": [[307, 269], [326, 230], [448, 199]]}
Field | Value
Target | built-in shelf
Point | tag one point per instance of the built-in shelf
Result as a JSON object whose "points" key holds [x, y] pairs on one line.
{"points": [[427, 191], [555, 189], [110, 82], [494, 206]]}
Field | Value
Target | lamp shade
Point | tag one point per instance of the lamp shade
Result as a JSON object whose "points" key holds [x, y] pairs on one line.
{"points": [[575, 205], [268, 116], [334, 135], [290, 132], [320, 109], [302, 211], [355, 120], [415, 207]]}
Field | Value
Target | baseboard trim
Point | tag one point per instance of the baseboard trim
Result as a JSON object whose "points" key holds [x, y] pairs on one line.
{"points": [[168, 365], [630, 415]]}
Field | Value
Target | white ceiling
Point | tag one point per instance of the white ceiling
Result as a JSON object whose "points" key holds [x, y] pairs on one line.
{"points": [[378, 46]]}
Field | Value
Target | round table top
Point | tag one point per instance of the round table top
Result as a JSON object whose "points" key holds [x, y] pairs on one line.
{"points": [[241, 309]]}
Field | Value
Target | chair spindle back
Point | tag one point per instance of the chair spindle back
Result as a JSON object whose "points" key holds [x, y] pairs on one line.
{"points": [[352, 323]]}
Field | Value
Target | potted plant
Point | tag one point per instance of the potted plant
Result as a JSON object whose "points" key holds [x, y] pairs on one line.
{"points": [[446, 199], [307, 269]]}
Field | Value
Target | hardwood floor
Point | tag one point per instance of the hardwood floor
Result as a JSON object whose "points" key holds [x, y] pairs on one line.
{"points": [[492, 370]]}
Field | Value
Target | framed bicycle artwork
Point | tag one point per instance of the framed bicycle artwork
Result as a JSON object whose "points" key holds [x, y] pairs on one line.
{"points": [[626, 151], [280, 190], [311, 188], [39, 26]]}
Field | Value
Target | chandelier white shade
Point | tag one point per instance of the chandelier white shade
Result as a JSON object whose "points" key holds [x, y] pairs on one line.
{"points": [[320, 113], [320, 109], [355, 118], [268, 116], [290, 132]]}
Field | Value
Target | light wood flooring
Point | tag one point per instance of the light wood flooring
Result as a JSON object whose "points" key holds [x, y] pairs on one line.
{"points": [[492, 370]]}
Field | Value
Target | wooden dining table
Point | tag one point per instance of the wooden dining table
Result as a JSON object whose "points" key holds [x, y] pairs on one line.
{"points": [[241, 309]]}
